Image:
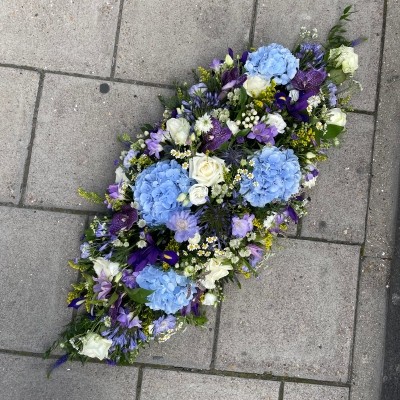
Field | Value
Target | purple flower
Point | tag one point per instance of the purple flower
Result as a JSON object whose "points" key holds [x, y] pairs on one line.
{"points": [[215, 64], [197, 90], [123, 220], [129, 156], [263, 134], [129, 278], [241, 226], [312, 53], [164, 324], [216, 136], [85, 250], [103, 286], [257, 254], [332, 94], [101, 230], [153, 144], [309, 80], [127, 320], [184, 224], [231, 78]]}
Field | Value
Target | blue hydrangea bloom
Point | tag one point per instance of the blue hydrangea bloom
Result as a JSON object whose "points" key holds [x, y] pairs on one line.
{"points": [[157, 189], [273, 61], [171, 290], [276, 177]]}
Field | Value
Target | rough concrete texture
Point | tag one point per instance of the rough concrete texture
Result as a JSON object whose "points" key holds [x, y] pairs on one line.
{"points": [[175, 350], [76, 137], [300, 391], [166, 385], [180, 43], [59, 35], [17, 96], [386, 161], [367, 23], [34, 277], [370, 330], [338, 207], [25, 378], [297, 318]]}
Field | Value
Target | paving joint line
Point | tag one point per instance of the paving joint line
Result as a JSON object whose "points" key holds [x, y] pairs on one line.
{"points": [[253, 23], [216, 335], [31, 140], [281, 390], [139, 383], [116, 41]]}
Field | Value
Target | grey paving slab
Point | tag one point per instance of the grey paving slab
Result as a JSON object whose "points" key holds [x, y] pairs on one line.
{"points": [[25, 378], [34, 277], [386, 161], [175, 350], [76, 137], [167, 385], [59, 35], [297, 318], [300, 391], [338, 204], [17, 96], [281, 21], [163, 42], [369, 343]]}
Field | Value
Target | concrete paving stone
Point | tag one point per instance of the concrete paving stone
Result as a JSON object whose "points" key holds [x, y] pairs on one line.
{"points": [[168, 385], [59, 35], [18, 90], [386, 162], [300, 391], [159, 46], [76, 137], [369, 346], [339, 200], [280, 22], [25, 378], [175, 350], [34, 277], [297, 318]]}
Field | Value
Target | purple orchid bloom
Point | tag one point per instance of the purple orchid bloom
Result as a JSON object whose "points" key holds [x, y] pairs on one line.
{"points": [[103, 286], [309, 80], [216, 136], [263, 133], [123, 220]]}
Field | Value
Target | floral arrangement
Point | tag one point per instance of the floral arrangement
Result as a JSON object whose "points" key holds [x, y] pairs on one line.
{"points": [[199, 197]]}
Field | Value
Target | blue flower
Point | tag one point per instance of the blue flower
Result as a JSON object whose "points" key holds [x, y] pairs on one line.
{"points": [[129, 157], [276, 177], [164, 324], [171, 290], [184, 224], [157, 189], [273, 62]]}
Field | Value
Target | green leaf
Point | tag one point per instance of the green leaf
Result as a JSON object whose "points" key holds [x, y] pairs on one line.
{"points": [[242, 96], [91, 197], [337, 76], [139, 295], [333, 131], [113, 298]]}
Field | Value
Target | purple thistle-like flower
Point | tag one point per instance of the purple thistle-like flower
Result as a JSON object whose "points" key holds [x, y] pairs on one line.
{"points": [[184, 224], [216, 136], [163, 324], [127, 320], [103, 286], [309, 80], [263, 133], [123, 220], [242, 226]]}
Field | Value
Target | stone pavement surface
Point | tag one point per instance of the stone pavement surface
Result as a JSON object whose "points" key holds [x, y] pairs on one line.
{"points": [[312, 327]]}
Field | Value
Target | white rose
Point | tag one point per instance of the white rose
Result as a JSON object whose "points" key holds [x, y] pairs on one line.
{"points": [[232, 126], [254, 85], [198, 194], [120, 175], [206, 170], [95, 346], [216, 270], [336, 117], [344, 57], [179, 130], [209, 299], [110, 269], [276, 120]]}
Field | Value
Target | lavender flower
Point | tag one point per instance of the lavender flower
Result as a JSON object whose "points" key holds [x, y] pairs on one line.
{"points": [[257, 254], [129, 157], [184, 224], [153, 144], [241, 226], [127, 320], [263, 134], [129, 278], [164, 324], [85, 250], [103, 286], [332, 94], [311, 53]]}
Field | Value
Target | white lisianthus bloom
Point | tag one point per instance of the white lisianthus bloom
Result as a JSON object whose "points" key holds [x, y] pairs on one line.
{"points": [[232, 126], [336, 117], [179, 130], [95, 346], [108, 268], [254, 85], [206, 170], [198, 194], [215, 271], [345, 58], [209, 299], [120, 175], [276, 120]]}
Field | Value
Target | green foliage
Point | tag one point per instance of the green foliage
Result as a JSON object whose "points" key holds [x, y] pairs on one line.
{"points": [[91, 197], [336, 34], [138, 295]]}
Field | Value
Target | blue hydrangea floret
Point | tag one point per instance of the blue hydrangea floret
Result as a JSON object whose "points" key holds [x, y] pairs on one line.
{"points": [[276, 177], [273, 62]]}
